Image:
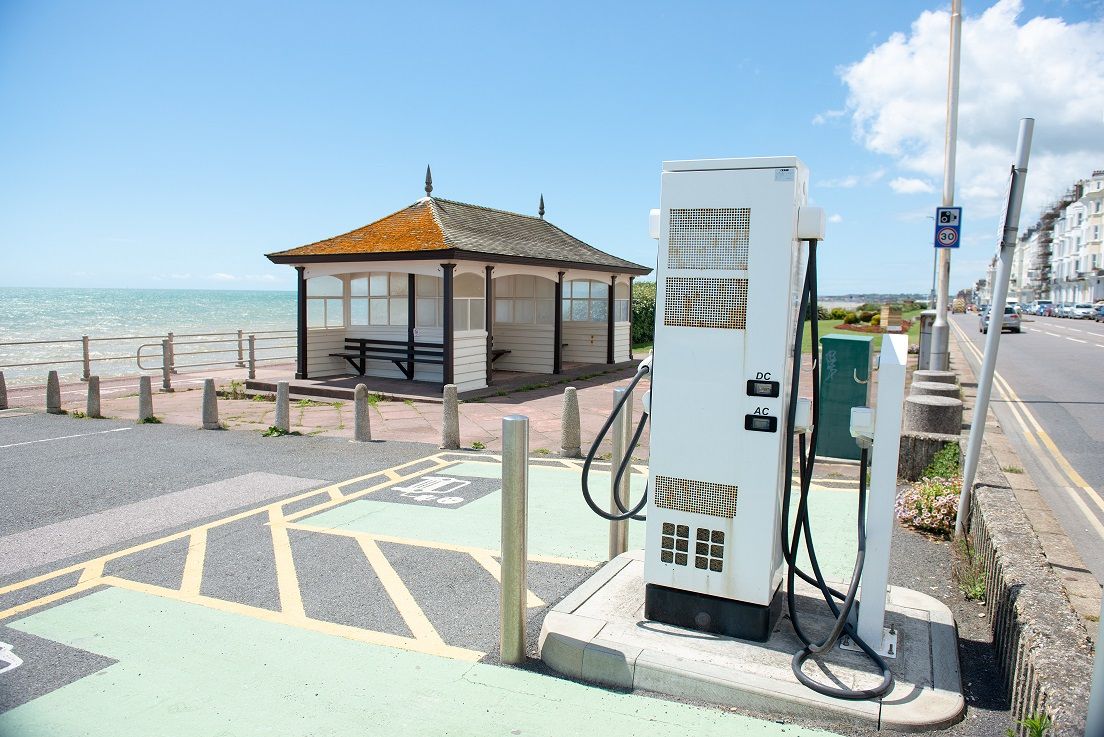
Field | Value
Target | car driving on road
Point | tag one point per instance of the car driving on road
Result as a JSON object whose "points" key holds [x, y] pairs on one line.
{"points": [[1011, 321]]}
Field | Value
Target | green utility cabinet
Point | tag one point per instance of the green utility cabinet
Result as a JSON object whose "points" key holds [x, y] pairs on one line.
{"points": [[844, 383]]}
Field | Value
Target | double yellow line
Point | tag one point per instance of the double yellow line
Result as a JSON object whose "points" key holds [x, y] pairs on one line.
{"points": [[1045, 450]]}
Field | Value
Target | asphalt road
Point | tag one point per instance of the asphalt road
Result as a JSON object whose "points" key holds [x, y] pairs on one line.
{"points": [[1053, 392]]}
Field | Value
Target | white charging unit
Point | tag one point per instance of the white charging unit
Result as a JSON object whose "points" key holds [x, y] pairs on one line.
{"points": [[729, 279]]}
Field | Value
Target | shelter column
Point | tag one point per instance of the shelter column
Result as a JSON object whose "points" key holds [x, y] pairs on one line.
{"points": [[449, 326], [488, 308], [557, 331], [301, 326], [609, 320], [411, 318]]}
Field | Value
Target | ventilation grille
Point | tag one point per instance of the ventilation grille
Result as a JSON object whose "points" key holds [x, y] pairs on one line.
{"points": [[698, 497], [707, 552], [693, 302], [709, 238]]}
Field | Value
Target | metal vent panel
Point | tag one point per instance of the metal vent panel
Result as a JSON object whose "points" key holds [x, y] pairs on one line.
{"points": [[695, 302], [709, 238], [698, 497]]}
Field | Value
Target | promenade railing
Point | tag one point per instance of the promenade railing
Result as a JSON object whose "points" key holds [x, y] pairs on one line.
{"points": [[169, 353]]}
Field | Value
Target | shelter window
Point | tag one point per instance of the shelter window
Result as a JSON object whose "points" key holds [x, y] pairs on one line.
{"points": [[585, 300], [468, 303], [621, 303], [524, 299], [428, 306], [325, 302], [379, 298]]}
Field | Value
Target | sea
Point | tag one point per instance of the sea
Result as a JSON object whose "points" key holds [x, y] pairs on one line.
{"points": [[134, 319]]}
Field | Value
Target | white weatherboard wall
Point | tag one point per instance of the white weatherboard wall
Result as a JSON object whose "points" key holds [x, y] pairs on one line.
{"points": [[470, 363], [584, 342], [530, 347], [320, 343], [620, 341]]}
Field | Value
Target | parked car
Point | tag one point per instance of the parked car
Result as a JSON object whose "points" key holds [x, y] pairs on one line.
{"points": [[1081, 311], [1038, 307], [1061, 310], [1010, 322], [1098, 315]]}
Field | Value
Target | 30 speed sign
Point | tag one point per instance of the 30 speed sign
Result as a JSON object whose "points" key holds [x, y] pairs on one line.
{"points": [[947, 222]]}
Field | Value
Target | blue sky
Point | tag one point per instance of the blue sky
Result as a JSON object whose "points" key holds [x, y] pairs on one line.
{"points": [[158, 144]]}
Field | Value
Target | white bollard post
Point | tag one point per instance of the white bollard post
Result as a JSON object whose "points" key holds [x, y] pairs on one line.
{"points": [[622, 424], [145, 399], [3, 392], [92, 408], [450, 419], [210, 405], [570, 432], [883, 487], [166, 366], [515, 497], [53, 394], [362, 425], [283, 406], [252, 356]]}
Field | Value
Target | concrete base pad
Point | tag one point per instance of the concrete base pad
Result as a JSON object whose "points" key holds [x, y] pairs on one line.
{"points": [[598, 633]]}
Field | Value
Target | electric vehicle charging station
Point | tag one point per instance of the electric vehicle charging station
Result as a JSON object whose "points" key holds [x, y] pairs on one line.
{"points": [[736, 273]]}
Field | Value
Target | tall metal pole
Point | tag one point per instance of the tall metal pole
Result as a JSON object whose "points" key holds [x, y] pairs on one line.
{"points": [[940, 328], [515, 496], [996, 319]]}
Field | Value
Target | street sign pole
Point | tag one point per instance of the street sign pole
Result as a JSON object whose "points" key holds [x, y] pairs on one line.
{"points": [[996, 318]]}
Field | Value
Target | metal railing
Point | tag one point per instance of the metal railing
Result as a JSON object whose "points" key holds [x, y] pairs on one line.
{"points": [[241, 347]]}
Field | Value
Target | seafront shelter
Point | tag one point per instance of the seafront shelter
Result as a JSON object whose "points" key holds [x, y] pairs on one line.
{"points": [[444, 292]]}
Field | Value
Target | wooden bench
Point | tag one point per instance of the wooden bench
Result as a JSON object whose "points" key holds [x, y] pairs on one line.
{"points": [[404, 354], [498, 353]]}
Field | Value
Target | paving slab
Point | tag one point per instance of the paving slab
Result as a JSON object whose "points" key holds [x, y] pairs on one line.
{"points": [[598, 633]]}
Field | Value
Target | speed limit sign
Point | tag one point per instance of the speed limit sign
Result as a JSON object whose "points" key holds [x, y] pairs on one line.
{"points": [[947, 222]]}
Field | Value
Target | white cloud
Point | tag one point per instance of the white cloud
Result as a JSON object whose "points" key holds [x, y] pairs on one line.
{"points": [[1044, 68], [259, 278], [907, 185], [220, 276], [836, 218]]}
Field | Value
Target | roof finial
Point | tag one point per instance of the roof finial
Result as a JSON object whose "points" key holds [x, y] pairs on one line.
{"points": [[540, 211], [429, 182]]}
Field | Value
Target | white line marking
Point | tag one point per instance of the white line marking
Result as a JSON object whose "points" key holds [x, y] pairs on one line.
{"points": [[1073, 330], [1056, 335], [1077, 340], [1034, 330], [65, 437]]}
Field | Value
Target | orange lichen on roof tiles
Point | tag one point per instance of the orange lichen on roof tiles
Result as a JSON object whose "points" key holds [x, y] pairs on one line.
{"points": [[412, 229]]}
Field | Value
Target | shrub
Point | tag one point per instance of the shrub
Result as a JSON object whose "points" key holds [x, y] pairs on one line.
{"points": [[850, 318], [876, 320], [867, 315], [823, 313], [643, 311], [946, 463], [838, 313], [929, 505]]}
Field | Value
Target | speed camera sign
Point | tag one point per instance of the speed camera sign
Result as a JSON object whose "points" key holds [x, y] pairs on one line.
{"points": [[948, 220]]}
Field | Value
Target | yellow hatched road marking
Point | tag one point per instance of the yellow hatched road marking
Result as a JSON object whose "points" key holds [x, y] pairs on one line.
{"points": [[287, 582], [408, 608], [492, 566], [329, 628], [193, 564]]}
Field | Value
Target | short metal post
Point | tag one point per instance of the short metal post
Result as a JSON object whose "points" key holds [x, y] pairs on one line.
{"points": [[241, 358], [283, 406], [145, 399], [1094, 721], [53, 393], [570, 430], [619, 531], [362, 423], [172, 355], [92, 407], [450, 418], [515, 497], [166, 366], [86, 359], [210, 406], [252, 357]]}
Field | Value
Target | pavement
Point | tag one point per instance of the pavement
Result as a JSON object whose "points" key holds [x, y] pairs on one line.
{"points": [[407, 421]]}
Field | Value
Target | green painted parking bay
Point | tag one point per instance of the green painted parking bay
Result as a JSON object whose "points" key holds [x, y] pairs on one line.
{"points": [[560, 523]]}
